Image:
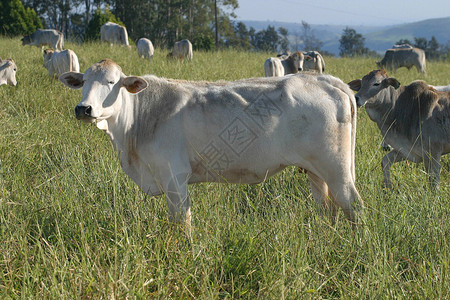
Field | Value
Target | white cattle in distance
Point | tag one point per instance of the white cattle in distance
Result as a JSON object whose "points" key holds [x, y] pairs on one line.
{"points": [[402, 46], [170, 133], [403, 57], [145, 48], [182, 50], [441, 88], [314, 62], [45, 37], [413, 119], [284, 64], [59, 62], [8, 71], [114, 34]]}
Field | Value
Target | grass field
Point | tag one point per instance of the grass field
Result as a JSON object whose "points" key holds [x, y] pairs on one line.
{"points": [[73, 225]]}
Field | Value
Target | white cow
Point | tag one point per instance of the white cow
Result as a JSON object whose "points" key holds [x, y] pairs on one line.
{"points": [[284, 64], [114, 34], [402, 46], [442, 88], [45, 37], [413, 119], [169, 133], [403, 57], [8, 71], [59, 62], [145, 48], [314, 62], [182, 50]]}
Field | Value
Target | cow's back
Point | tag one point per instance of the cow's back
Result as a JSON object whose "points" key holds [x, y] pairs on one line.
{"points": [[145, 48], [183, 49]]}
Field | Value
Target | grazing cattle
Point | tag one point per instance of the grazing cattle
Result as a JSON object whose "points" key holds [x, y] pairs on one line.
{"points": [[169, 133], [45, 37], [402, 46], [413, 119], [314, 62], [114, 34], [283, 65], [181, 50], [59, 62], [8, 71], [403, 57], [145, 48], [442, 88]]}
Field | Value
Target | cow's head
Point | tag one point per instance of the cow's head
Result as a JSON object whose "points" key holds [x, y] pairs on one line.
{"points": [[48, 53], [371, 84], [8, 71], [102, 84], [26, 40], [297, 59]]}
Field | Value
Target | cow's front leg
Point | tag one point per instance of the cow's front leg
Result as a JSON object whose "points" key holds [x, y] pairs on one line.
{"points": [[388, 160], [178, 201], [433, 167]]}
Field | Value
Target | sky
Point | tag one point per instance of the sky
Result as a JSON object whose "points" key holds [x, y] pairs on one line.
{"points": [[343, 12]]}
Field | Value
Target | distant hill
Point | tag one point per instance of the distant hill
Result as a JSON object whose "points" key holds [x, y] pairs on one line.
{"points": [[377, 38]]}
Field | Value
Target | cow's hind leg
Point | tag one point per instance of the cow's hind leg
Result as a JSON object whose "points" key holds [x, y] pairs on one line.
{"points": [[433, 167], [320, 193], [388, 160]]}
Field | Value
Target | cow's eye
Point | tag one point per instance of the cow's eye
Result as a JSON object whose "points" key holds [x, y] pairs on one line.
{"points": [[111, 82], [15, 69], [376, 84]]}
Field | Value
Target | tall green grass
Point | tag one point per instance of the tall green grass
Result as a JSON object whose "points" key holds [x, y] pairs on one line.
{"points": [[73, 225]]}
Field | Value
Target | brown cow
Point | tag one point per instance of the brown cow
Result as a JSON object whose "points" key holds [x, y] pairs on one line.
{"points": [[414, 120]]}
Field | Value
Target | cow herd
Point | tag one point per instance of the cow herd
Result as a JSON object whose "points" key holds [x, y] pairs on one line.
{"points": [[170, 133]]}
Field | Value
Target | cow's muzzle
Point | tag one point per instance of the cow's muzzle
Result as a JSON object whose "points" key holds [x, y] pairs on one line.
{"points": [[358, 101], [300, 69], [83, 112]]}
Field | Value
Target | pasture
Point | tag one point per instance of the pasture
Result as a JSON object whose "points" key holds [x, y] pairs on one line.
{"points": [[73, 225]]}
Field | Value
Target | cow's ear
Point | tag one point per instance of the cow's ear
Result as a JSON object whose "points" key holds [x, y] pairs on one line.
{"points": [[391, 81], [73, 80], [308, 58], [355, 85], [134, 84]]}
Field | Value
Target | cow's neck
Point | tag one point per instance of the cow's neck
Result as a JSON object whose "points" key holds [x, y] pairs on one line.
{"points": [[119, 124], [381, 111]]}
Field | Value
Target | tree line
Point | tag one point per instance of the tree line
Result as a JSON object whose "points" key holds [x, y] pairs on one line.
{"points": [[208, 24]]}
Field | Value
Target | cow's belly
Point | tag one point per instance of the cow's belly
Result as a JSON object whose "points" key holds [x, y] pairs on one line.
{"points": [[233, 173]]}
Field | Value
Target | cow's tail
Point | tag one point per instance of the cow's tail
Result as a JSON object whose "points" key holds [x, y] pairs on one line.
{"points": [[60, 41], [323, 63], [353, 113]]}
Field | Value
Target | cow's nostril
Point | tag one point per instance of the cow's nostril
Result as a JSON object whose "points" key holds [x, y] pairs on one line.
{"points": [[83, 111], [88, 111]]}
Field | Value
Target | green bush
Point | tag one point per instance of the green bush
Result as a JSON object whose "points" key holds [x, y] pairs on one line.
{"points": [[202, 42], [16, 20]]}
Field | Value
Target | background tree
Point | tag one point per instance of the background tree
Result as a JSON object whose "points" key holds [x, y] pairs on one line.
{"points": [[309, 40], [420, 43], [352, 43], [15, 19], [403, 41], [284, 41]]}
